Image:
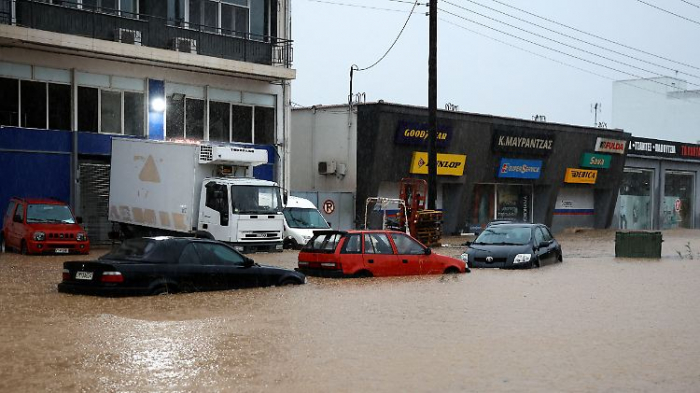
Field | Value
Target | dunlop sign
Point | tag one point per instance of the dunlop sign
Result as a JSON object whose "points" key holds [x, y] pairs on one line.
{"points": [[601, 161], [586, 176], [448, 164], [606, 145]]}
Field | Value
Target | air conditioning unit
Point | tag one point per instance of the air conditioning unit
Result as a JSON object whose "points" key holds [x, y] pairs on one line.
{"points": [[181, 44], [326, 167], [127, 36]]}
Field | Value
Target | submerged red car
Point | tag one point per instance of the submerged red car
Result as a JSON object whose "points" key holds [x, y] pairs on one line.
{"points": [[42, 226], [372, 253]]}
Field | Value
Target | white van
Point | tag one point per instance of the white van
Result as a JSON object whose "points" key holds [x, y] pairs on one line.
{"points": [[301, 219]]}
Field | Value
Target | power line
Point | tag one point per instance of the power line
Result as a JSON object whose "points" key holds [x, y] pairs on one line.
{"points": [[558, 42], [356, 5], [577, 39], [692, 4], [556, 60], [395, 41], [669, 12], [558, 51], [595, 36]]}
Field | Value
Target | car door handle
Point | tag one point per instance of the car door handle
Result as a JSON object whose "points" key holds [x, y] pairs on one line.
{"points": [[371, 261], [405, 261]]}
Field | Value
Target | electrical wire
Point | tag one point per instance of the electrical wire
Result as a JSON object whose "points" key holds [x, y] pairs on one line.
{"points": [[559, 61], [594, 35], [669, 12], [356, 6], [692, 4], [558, 51], [395, 41], [578, 39], [556, 41]]}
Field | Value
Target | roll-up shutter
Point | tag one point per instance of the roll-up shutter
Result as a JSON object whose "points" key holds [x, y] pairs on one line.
{"points": [[94, 198]]}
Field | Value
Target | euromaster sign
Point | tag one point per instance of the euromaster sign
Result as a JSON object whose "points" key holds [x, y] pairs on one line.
{"points": [[448, 164], [600, 161], [520, 169], [606, 145], [584, 176]]}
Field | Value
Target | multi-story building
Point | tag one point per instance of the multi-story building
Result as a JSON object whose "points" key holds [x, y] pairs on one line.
{"points": [[74, 74]]}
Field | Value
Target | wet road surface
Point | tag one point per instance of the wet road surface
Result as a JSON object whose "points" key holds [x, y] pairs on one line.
{"points": [[593, 323]]}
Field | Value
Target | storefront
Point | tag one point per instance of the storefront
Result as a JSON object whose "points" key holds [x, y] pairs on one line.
{"points": [[489, 168], [659, 186]]}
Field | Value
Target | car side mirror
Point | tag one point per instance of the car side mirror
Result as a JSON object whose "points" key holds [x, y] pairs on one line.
{"points": [[79, 220], [428, 251], [248, 262]]}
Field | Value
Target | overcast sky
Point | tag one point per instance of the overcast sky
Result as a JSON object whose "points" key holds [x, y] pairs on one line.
{"points": [[482, 75]]}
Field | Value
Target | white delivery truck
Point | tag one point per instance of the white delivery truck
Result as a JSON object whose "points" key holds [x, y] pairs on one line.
{"points": [[172, 188], [301, 219]]}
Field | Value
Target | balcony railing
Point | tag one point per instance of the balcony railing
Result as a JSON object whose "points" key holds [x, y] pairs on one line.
{"points": [[69, 17]]}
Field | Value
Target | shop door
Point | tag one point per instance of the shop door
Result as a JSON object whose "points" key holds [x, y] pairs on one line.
{"points": [[94, 201], [634, 204], [514, 202], [679, 194]]}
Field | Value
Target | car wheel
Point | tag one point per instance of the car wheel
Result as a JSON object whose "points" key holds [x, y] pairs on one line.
{"points": [[162, 290], [23, 248], [451, 270], [535, 264], [560, 258], [288, 281], [363, 274]]}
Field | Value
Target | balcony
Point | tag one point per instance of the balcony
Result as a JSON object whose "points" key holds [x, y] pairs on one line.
{"points": [[144, 30]]}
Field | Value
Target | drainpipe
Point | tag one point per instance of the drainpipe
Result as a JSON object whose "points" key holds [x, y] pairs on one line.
{"points": [[75, 168]]}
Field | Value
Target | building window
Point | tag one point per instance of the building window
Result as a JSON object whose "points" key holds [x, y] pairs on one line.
{"points": [[242, 124], [125, 8], [634, 202], [33, 104], [88, 104], [9, 102], [679, 195], [110, 111], [176, 12], [264, 126], [229, 17], [194, 119], [219, 121], [59, 107], [175, 117]]}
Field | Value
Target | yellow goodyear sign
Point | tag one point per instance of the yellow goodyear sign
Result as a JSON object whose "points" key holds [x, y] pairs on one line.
{"points": [[586, 176], [448, 164]]}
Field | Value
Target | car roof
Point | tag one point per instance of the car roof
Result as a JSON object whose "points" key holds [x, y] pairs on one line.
{"points": [[516, 224], [43, 201]]}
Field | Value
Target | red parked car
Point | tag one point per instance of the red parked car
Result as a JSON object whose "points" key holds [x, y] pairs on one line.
{"points": [[371, 253], [38, 226]]}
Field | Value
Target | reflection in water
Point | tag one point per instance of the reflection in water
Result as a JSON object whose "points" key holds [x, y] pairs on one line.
{"points": [[592, 323]]}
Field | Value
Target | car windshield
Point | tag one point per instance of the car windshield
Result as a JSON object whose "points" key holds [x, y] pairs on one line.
{"points": [[304, 218], [326, 242], [49, 213], [255, 199], [501, 234], [134, 249]]}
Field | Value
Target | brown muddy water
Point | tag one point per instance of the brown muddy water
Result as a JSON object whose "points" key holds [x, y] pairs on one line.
{"points": [[593, 323]]}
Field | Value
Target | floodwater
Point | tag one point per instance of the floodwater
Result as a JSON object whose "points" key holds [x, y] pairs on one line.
{"points": [[593, 323]]}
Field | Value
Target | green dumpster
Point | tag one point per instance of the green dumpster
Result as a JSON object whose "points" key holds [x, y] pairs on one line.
{"points": [[638, 244]]}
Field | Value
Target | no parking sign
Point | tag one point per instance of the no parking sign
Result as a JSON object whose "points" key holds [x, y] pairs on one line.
{"points": [[328, 206]]}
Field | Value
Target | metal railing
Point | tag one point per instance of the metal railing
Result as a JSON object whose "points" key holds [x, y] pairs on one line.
{"points": [[70, 17]]}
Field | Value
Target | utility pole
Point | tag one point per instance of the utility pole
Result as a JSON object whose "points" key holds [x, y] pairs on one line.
{"points": [[432, 107], [597, 107]]}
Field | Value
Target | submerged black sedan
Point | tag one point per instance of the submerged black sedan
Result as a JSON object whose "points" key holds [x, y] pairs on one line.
{"points": [[161, 265], [513, 246]]}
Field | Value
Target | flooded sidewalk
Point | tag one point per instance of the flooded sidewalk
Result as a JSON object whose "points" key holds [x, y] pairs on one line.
{"points": [[592, 323]]}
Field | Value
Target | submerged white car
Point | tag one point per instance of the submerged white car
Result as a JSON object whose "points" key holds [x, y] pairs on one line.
{"points": [[301, 219]]}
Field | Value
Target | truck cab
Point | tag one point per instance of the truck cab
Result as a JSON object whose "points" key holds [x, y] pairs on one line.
{"points": [[301, 219], [246, 212]]}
